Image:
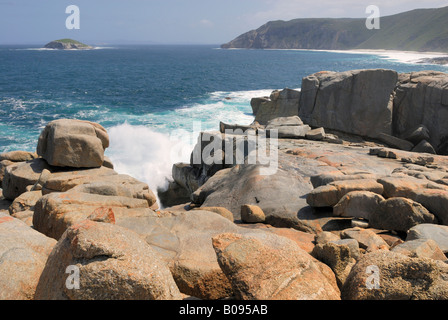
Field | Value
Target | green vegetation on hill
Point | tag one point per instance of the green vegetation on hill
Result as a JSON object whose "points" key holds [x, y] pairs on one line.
{"points": [[71, 41], [418, 30], [67, 44]]}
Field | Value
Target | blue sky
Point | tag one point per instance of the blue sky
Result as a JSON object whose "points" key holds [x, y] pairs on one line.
{"points": [[171, 21]]}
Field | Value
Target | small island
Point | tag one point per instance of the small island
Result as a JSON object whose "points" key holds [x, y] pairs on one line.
{"points": [[67, 44]]}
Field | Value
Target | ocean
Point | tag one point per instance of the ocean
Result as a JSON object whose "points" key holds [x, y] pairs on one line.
{"points": [[153, 100]]}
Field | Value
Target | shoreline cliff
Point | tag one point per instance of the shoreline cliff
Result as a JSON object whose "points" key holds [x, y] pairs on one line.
{"points": [[426, 33]]}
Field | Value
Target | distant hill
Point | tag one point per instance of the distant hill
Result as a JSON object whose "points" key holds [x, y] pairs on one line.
{"points": [[67, 44], [416, 30]]}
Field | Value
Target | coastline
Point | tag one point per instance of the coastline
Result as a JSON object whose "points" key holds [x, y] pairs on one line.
{"points": [[411, 57]]}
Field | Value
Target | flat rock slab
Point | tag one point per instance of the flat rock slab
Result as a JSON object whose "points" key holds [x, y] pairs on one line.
{"points": [[56, 212]]}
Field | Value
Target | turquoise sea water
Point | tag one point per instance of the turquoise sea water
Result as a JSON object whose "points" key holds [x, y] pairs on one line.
{"points": [[143, 95]]}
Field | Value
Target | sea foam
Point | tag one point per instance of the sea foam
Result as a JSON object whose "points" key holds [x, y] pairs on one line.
{"points": [[148, 152]]}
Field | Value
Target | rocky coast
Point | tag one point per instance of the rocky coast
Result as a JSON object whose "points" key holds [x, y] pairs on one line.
{"points": [[353, 206]]}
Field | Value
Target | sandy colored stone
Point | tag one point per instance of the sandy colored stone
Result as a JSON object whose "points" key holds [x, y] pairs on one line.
{"points": [[219, 210], [423, 248], [114, 263], [365, 237], [329, 195], [262, 269], [73, 143], [23, 253], [56, 212], [252, 214], [400, 278]]}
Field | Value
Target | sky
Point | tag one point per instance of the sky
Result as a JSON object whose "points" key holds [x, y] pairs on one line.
{"points": [[105, 22]]}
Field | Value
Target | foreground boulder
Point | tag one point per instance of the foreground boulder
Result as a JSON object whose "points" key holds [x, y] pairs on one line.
{"points": [[263, 269], [23, 253], [73, 143], [114, 263], [385, 275], [183, 239], [21, 175]]}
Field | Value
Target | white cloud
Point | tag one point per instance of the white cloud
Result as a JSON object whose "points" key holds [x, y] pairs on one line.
{"points": [[206, 23]]}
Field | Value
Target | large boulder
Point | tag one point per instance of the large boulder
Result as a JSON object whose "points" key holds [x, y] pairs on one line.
{"points": [[114, 263], [385, 275], [358, 102], [23, 253], [358, 204], [436, 201], [73, 143], [395, 142], [422, 99], [400, 214], [264, 268]]}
